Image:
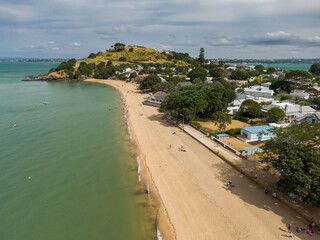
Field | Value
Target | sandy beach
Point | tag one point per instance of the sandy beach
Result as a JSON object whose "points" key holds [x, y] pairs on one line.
{"points": [[190, 184]]}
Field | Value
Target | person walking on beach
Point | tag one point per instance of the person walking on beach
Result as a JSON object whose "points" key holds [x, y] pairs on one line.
{"points": [[274, 195]]}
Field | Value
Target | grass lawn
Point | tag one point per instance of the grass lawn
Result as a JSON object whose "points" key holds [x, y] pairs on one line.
{"points": [[209, 126]]}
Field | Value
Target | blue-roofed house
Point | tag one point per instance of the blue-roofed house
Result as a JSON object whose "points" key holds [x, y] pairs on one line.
{"points": [[250, 150], [256, 133], [222, 136]]}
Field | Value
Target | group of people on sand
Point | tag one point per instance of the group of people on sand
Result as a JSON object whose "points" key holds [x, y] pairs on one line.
{"points": [[229, 184], [308, 230], [274, 194]]}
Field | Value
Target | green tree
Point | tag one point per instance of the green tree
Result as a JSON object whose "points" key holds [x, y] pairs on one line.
{"points": [[297, 74], [271, 70], [186, 102], [68, 66], [282, 85], [149, 81], [197, 72], [259, 68], [201, 56], [221, 119], [122, 59], [219, 97], [163, 87], [294, 152], [217, 73], [250, 108], [315, 69], [276, 114], [109, 63], [316, 101], [92, 55], [118, 47], [239, 75]]}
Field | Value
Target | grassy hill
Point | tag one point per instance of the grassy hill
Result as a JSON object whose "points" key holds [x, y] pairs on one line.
{"points": [[126, 55], [136, 55]]}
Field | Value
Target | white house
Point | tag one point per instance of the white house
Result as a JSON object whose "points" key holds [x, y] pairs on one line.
{"points": [[266, 84], [300, 94], [311, 118], [157, 98], [259, 91], [250, 150], [292, 111], [256, 133]]}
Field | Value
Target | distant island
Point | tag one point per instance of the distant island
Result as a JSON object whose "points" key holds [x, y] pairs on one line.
{"points": [[33, 59], [284, 60]]}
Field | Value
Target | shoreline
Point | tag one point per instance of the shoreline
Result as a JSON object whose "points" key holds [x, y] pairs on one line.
{"points": [[162, 219], [191, 196]]}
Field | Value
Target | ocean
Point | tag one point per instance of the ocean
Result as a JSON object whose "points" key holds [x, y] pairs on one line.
{"points": [[67, 169], [284, 66]]}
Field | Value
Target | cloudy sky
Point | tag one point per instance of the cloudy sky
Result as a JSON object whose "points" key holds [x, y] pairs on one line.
{"points": [[225, 28]]}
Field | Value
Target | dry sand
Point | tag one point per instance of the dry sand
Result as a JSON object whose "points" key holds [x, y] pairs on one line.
{"points": [[195, 205]]}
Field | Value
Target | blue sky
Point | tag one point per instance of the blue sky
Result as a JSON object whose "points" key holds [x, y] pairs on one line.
{"points": [[224, 28]]}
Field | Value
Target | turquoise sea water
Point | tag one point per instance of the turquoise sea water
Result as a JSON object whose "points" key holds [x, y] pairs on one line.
{"points": [[284, 66], [65, 168]]}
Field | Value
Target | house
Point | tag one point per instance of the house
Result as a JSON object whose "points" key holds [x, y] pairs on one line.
{"points": [[250, 150], [156, 99], [222, 136], [266, 84], [236, 82], [259, 91], [314, 91], [311, 118], [233, 68], [292, 111], [240, 98], [300, 94], [256, 133], [183, 84]]}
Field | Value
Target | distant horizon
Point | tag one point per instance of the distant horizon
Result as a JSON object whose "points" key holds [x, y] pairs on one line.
{"points": [[65, 58]]}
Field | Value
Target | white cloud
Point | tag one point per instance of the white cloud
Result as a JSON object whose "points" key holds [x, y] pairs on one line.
{"points": [[220, 26], [76, 44]]}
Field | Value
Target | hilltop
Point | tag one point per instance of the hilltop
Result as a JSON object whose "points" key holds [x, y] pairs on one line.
{"points": [[115, 59]]}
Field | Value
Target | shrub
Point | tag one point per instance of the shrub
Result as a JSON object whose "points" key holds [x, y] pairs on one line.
{"points": [[233, 131], [122, 59], [195, 125], [242, 119]]}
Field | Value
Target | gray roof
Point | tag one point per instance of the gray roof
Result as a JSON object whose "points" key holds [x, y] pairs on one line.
{"points": [[316, 88], [160, 95], [240, 96], [251, 148], [183, 84], [299, 93], [291, 108], [222, 135], [316, 114]]}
